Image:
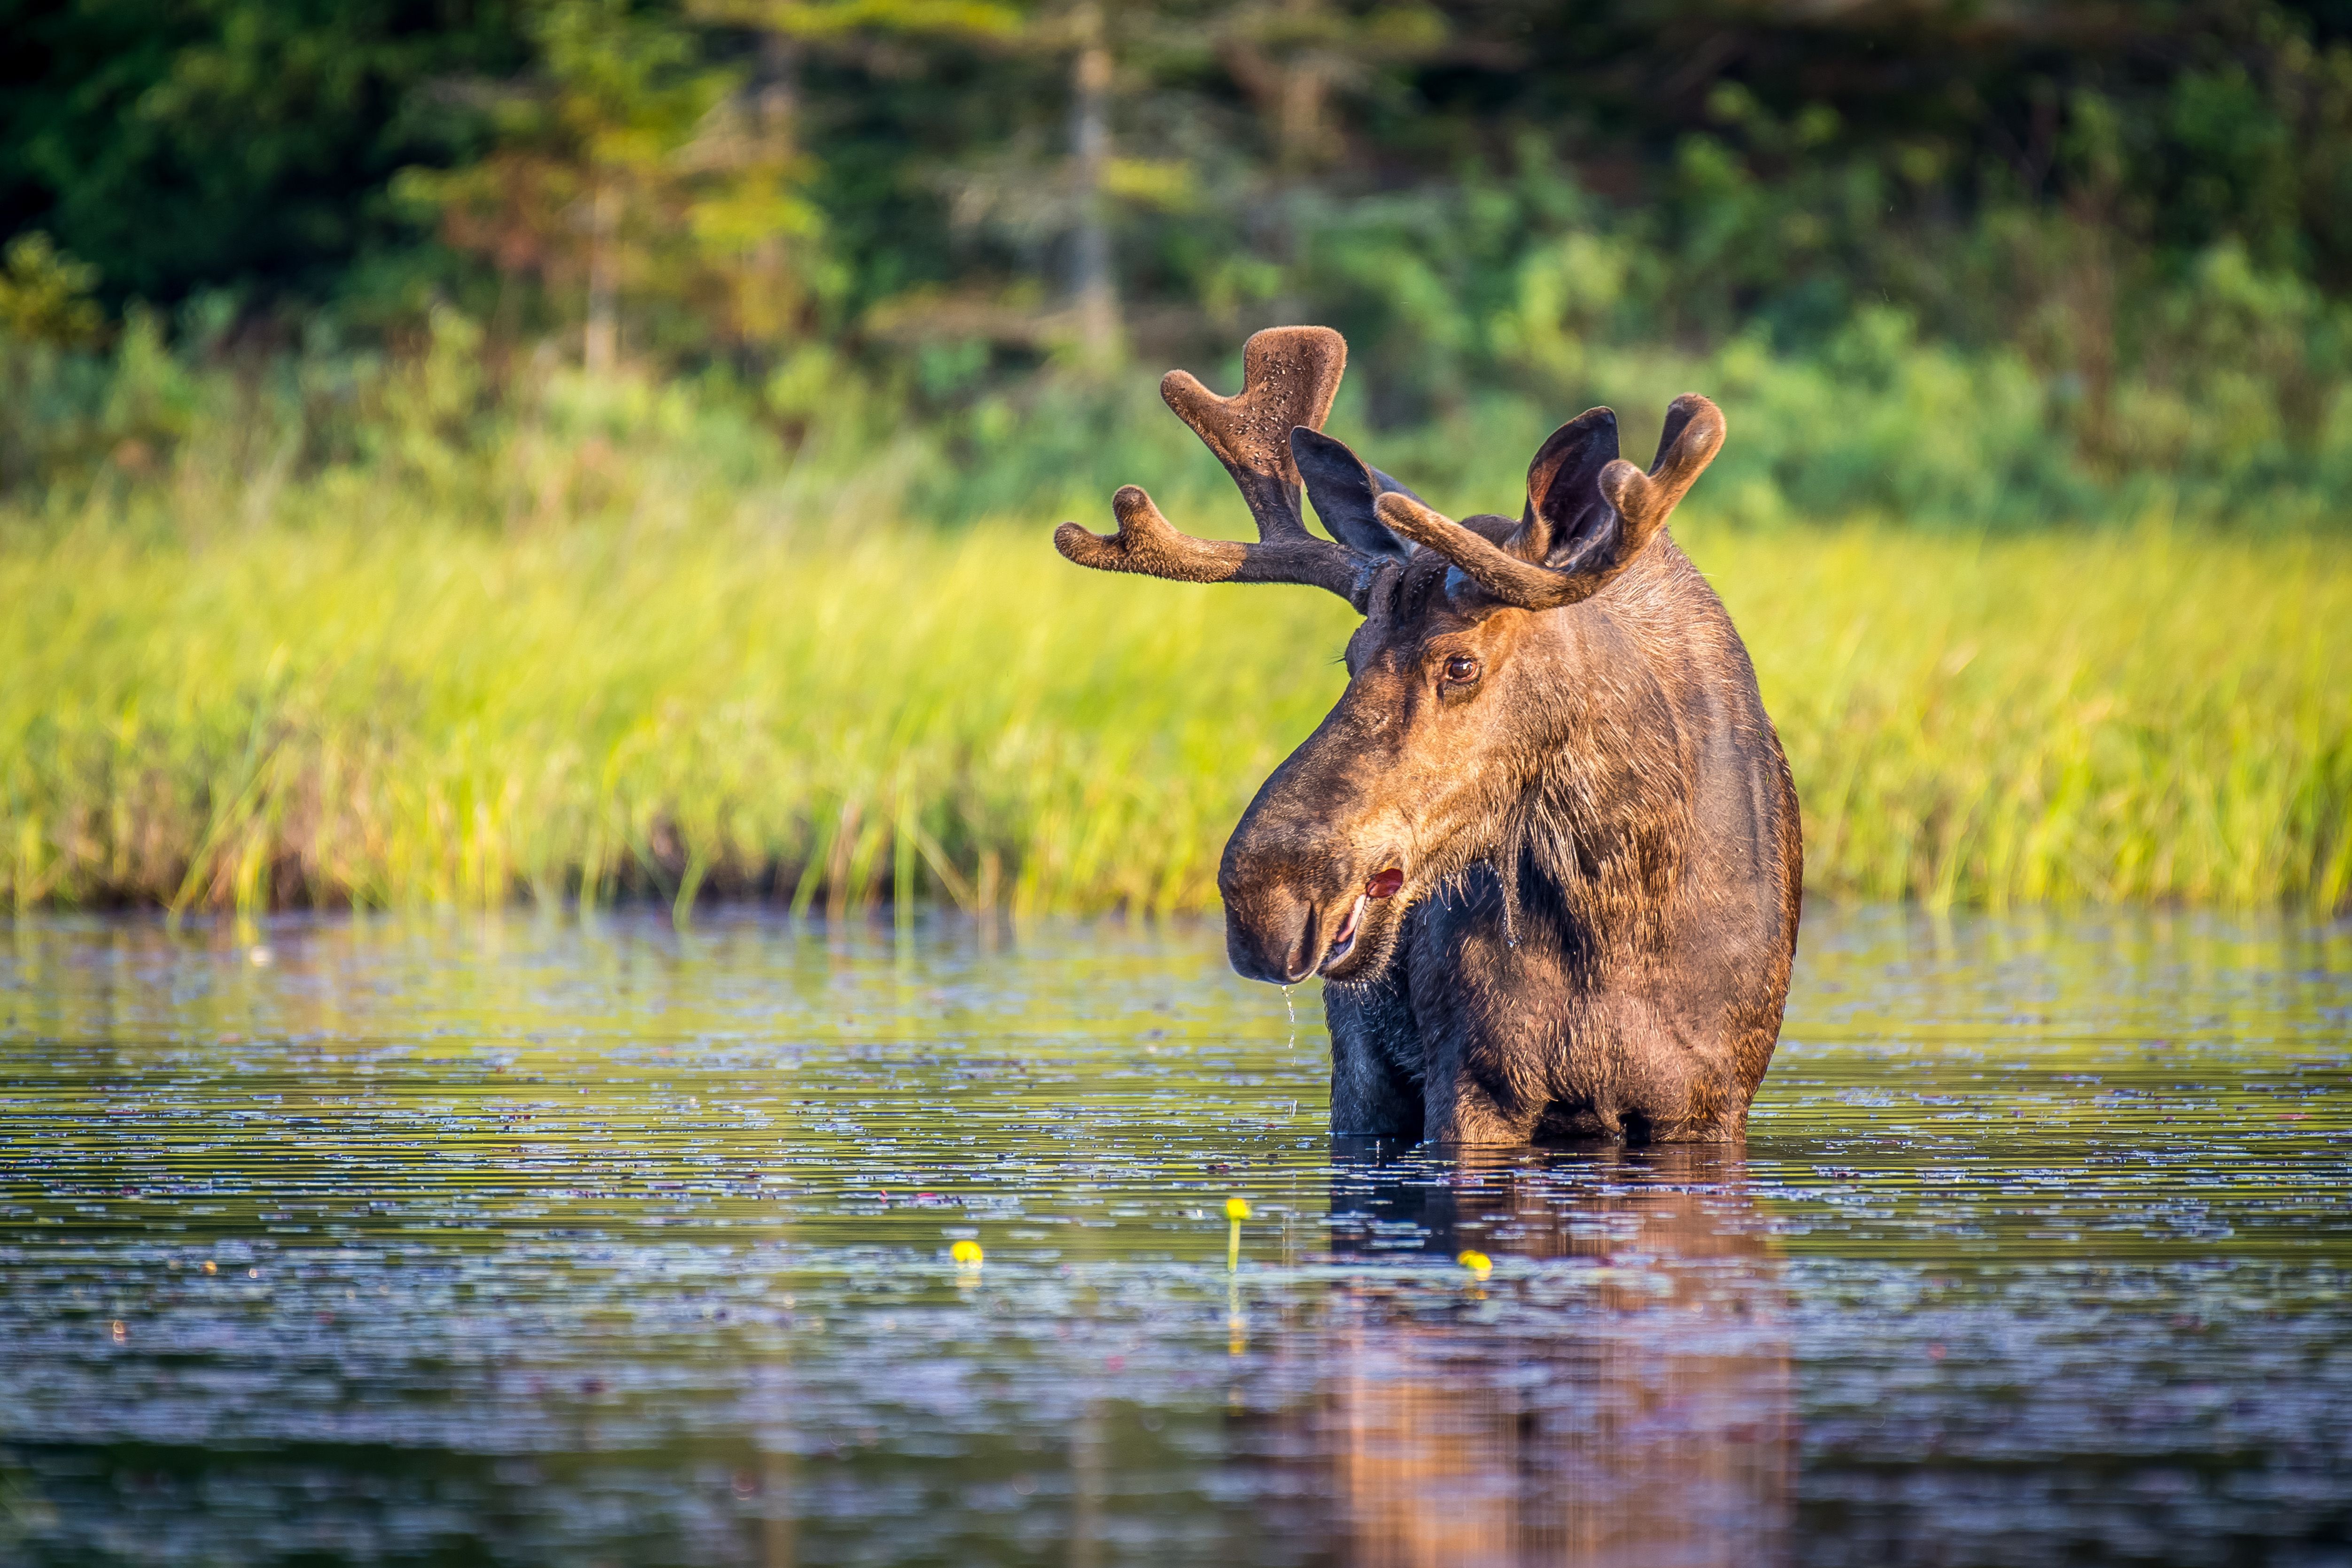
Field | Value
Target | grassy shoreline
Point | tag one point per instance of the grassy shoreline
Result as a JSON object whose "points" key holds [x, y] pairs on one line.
{"points": [[346, 712]]}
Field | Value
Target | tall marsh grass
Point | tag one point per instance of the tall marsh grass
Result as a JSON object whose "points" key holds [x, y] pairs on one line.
{"points": [[351, 709]]}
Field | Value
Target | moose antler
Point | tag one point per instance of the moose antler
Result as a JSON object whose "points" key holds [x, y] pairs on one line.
{"points": [[1515, 572], [1289, 376]]}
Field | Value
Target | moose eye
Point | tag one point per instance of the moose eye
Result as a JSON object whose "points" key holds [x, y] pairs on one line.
{"points": [[1461, 669]]}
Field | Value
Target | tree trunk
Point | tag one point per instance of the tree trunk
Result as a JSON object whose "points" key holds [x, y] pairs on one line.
{"points": [[600, 345], [771, 314], [1090, 260]]}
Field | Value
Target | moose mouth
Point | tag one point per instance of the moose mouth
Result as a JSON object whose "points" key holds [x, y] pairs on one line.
{"points": [[1383, 885]]}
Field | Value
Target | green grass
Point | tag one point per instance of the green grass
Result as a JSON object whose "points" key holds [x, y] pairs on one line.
{"points": [[360, 708]]}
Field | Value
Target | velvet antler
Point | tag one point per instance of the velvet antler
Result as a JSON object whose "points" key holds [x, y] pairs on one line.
{"points": [[1289, 376], [1590, 542]]}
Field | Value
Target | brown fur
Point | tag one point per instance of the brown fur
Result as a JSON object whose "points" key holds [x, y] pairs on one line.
{"points": [[1597, 831]]}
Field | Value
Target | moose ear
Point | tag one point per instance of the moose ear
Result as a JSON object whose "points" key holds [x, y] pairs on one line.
{"points": [[1566, 510], [1344, 489]]}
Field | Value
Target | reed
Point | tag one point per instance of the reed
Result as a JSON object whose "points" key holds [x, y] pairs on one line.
{"points": [[359, 707]]}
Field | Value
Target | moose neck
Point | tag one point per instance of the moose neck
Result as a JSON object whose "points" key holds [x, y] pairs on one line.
{"points": [[1600, 842]]}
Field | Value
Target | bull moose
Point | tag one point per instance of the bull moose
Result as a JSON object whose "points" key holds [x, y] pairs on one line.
{"points": [[1545, 851]]}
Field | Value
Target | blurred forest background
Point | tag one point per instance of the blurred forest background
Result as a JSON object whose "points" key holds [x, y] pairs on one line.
{"points": [[2073, 250], [287, 277]]}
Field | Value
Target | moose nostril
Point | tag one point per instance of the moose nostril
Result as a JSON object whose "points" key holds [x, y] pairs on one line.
{"points": [[1299, 961], [1384, 884]]}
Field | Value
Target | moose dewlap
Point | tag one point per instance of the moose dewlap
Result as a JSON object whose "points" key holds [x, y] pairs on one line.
{"points": [[1545, 851]]}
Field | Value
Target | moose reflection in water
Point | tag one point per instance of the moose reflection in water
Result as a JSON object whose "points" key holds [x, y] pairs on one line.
{"points": [[1619, 1392]]}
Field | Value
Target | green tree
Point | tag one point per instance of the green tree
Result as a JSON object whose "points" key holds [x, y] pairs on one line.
{"points": [[230, 142], [629, 175]]}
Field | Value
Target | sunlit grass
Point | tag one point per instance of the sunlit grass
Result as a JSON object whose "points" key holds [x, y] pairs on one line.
{"points": [[2113, 716], [346, 711]]}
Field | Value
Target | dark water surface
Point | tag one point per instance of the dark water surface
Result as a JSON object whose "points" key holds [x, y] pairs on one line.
{"points": [[528, 1241]]}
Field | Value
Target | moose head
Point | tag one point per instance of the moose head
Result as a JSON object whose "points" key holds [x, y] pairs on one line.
{"points": [[1463, 689]]}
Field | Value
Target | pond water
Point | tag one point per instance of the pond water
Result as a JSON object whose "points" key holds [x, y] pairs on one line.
{"points": [[536, 1240]]}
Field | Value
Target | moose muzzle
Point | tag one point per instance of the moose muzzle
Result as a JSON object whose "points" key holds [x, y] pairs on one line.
{"points": [[1282, 929]]}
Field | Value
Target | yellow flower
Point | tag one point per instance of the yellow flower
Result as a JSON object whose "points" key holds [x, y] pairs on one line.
{"points": [[1237, 1208], [966, 1253], [1478, 1263]]}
